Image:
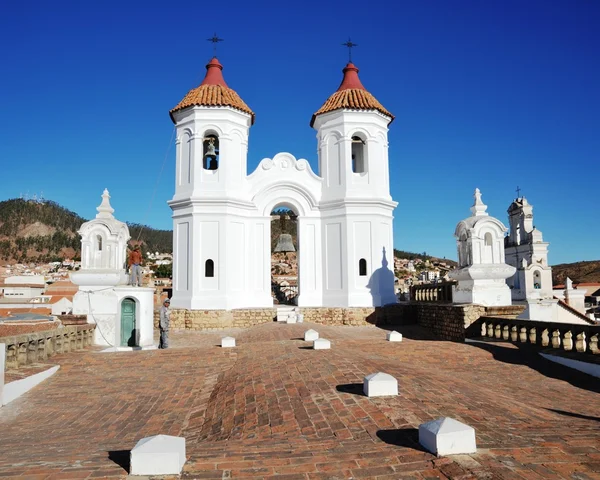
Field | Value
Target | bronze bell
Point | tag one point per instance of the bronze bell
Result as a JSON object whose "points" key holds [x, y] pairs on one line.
{"points": [[211, 155], [284, 243]]}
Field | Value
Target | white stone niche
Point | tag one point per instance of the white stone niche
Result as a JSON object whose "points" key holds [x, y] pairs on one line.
{"points": [[311, 335], [227, 342], [446, 436], [158, 455], [394, 336], [380, 385], [321, 344]]}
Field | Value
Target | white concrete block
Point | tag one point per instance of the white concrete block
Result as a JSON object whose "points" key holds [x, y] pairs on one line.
{"points": [[227, 342], [394, 336], [300, 318], [311, 335], [321, 344], [158, 455], [446, 436], [17, 388], [379, 385], [292, 318]]}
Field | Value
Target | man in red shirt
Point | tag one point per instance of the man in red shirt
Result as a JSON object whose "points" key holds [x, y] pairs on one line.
{"points": [[135, 267]]}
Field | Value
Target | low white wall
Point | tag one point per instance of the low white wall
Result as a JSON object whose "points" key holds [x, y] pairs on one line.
{"points": [[14, 390]]}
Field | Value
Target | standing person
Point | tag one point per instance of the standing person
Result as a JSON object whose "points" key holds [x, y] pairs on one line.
{"points": [[135, 267], [165, 320]]}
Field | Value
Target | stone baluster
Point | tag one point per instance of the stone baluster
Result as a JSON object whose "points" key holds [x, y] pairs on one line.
{"points": [[545, 338], [41, 349], [580, 345], [66, 344], [12, 357], [533, 335], [505, 333], [513, 333], [483, 329], [50, 341], [556, 339], [32, 352], [73, 340], [498, 331], [594, 344], [490, 332], [523, 335], [568, 341]]}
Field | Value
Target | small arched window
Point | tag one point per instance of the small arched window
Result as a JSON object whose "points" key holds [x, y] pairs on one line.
{"points": [[488, 248], [362, 267], [537, 280], [99, 242], [209, 268], [210, 153], [358, 155]]}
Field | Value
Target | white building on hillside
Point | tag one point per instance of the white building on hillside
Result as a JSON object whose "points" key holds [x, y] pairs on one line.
{"points": [[23, 287], [221, 215]]}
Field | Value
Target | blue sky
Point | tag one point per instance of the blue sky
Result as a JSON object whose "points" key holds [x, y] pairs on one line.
{"points": [[494, 94]]}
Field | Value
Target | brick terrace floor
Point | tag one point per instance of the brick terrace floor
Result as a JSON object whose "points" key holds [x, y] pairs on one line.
{"points": [[273, 407]]}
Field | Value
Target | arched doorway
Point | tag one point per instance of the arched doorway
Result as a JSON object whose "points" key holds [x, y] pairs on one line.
{"points": [[284, 256], [128, 323]]}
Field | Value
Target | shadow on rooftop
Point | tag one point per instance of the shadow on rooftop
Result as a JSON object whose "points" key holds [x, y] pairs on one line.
{"points": [[401, 437], [121, 458], [575, 415], [353, 388], [528, 355]]}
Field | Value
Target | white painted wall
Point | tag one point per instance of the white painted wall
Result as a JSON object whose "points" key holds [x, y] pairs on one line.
{"points": [[224, 215]]}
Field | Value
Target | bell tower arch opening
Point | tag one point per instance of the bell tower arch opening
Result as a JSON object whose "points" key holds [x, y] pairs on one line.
{"points": [[284, 255]]}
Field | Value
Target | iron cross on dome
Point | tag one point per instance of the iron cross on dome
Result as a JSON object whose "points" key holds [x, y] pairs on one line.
{"points": [[349, 44], [214, 41]]}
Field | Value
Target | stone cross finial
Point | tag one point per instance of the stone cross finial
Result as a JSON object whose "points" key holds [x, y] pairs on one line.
{"points": [[104, 209], [478, 207]]}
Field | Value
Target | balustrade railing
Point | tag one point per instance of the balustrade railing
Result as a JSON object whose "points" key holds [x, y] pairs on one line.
{"points": [[432, 293], [566, 336]]}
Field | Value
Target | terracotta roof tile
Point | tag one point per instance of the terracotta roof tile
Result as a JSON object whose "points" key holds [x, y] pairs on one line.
{"points": [[213, 92], [351, 95]]}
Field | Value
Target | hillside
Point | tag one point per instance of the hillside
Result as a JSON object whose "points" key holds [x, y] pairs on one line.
{"points": [[422, 256], [579, 272], [41, 232]]}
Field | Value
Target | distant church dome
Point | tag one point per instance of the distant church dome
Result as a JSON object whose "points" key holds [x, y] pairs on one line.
{"points": [[213, 92], [351, 95]]}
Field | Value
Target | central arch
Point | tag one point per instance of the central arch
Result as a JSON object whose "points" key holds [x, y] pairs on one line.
{"points": [[285, 254]]}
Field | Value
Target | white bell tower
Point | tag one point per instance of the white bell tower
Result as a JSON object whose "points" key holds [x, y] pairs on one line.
{"points": [[356, 206], [212, 124]]}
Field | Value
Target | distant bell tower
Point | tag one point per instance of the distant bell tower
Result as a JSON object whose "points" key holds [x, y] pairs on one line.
{"points": [[528, 253]]}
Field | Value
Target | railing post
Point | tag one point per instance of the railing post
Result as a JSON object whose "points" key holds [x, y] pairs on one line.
{"points": [[513, 333], [594, 344], [490, 330], [533, 335], [523, 335], [568, 341], [556, 339], [498, 332], [483, 329], [505, 334], [545, 338], [580, 345]]}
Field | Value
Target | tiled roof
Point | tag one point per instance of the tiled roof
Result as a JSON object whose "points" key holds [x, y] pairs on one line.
{"points": [[213, 92], [351, 95]]}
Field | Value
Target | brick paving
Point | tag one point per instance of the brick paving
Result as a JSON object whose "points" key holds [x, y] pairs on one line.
{"points": [[271, 407]]}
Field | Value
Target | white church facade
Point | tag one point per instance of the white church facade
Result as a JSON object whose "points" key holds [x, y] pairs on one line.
{"points": [[222, 215]]}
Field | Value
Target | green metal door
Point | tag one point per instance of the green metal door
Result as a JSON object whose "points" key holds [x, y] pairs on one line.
{"points": [[128, 332]]}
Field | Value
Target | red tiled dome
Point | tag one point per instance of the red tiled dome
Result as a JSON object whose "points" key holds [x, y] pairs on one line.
{"points": [[213, 92], [351, 95]]}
